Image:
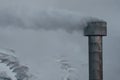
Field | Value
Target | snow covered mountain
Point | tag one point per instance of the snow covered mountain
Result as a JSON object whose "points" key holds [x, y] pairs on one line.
{"points": [[10, 67]]}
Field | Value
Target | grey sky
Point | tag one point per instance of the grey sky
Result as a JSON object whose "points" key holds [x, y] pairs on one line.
{"points": [[41, 48]]}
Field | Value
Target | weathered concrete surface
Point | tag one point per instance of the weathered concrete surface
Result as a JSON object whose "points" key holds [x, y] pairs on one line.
{"points": [[95, 31]]}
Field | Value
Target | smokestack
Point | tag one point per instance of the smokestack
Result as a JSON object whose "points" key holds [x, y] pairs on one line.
{"points": [[95, 31]]}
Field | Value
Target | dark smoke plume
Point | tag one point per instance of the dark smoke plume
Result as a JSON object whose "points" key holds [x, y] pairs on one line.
{"points": [[44, 19]]}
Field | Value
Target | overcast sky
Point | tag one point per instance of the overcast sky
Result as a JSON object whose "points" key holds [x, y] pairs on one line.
{"points": [[40, 48]]}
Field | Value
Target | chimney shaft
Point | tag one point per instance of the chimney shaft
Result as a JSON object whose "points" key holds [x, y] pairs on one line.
{"points": [[95, 31]]}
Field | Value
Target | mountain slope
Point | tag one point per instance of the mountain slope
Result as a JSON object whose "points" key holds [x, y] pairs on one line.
{"points": [[11, 68]]}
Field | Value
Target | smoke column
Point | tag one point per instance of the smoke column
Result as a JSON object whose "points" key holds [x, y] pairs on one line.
{"points": [[49, 19]]}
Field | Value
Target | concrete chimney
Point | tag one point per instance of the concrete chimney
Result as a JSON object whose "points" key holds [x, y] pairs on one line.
{"points": [[95, 31]]}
